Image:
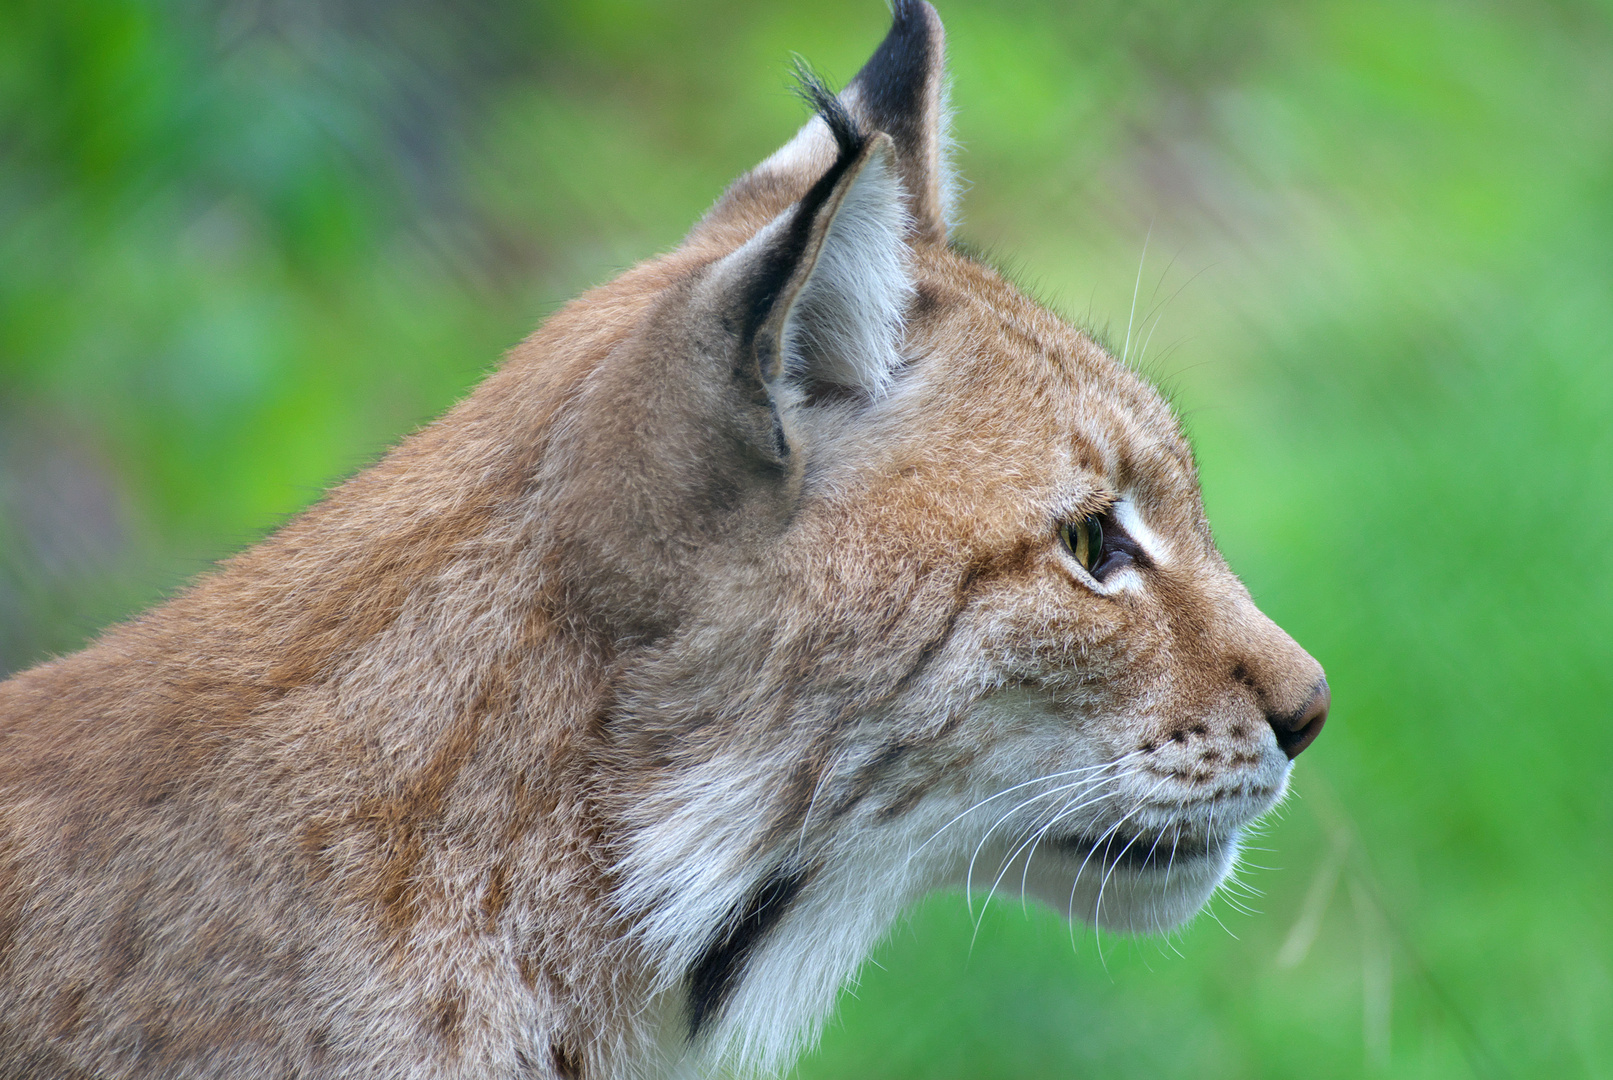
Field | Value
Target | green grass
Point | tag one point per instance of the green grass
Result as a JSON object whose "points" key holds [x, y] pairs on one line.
{"points": [[236, 262]]}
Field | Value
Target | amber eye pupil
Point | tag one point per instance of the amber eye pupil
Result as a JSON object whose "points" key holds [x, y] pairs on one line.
{"points": [[1084, 538]]}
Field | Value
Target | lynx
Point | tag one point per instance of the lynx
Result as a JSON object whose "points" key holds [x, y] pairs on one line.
{"points": [[603, 727]]}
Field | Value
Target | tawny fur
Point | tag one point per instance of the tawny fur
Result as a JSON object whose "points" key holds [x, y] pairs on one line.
{"points": [[476, 768]]}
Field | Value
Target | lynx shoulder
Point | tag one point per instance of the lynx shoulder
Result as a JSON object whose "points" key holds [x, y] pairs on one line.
{"points": [[605, 726]]}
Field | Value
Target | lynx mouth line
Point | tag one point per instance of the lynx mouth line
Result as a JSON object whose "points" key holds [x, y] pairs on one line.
{"points": [[1141, 850]]}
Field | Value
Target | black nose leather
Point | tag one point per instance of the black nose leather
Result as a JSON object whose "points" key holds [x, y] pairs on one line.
{"points": [[1295, 731]]}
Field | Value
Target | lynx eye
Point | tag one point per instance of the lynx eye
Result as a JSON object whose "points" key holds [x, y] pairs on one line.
{"points": [[1101, 544], [1084, 539]]}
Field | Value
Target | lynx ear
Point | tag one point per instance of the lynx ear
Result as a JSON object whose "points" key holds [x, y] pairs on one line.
{"points": [[821, 289], [900, 91]]}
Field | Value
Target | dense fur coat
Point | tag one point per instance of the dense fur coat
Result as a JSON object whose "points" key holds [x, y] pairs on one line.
{"points": [[603, 727]]}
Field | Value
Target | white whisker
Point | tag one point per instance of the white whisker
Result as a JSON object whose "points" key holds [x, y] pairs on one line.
{"points": [[1011, 790], [1142, 354], [969, 876], [1126, 351], [1100, 843], [1176, 840], [800, 842], [1103, 884], [1035, 838]]}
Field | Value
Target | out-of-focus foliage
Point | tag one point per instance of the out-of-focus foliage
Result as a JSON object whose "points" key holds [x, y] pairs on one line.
{"points": [[244, 246]]}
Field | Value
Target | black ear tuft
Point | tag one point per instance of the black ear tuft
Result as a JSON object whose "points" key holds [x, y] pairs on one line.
{"points": [[849, 137], [900, 93]]}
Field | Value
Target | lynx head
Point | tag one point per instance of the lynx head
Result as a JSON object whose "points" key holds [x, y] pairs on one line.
{"points": [[906, 582]]}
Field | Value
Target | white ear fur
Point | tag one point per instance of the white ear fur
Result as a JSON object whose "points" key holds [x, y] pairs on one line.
{"points": [[951, 185], [846, 322], [809, 153], [812, 150]]}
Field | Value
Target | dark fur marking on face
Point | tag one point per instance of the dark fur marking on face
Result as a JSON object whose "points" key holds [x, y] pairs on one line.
{"points": [[867, 776], [926, 301], [67, 1010], [795, 802], [529, 967], [713, 977], [931, 649], [1245, 678], [125, 940], [1015, 560], [448, 1013], [903, 802], [980, 569], [565, 1065], [319, 1041], [495, 897]]}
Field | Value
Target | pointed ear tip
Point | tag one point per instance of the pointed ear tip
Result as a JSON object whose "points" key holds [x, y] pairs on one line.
{"points": [[905, 13], [913, 51], [905, 10]]}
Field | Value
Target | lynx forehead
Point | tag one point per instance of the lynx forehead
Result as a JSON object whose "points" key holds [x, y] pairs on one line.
{"points": [[605, 726]]}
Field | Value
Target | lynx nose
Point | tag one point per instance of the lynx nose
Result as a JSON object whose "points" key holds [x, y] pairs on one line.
{"points": [[1295, 731]]}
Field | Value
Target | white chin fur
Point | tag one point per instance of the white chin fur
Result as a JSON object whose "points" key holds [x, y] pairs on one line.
{"points": [[1116, 896]]}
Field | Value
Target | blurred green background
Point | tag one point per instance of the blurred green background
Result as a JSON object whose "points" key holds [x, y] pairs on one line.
{"points": [[246, 245]]}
